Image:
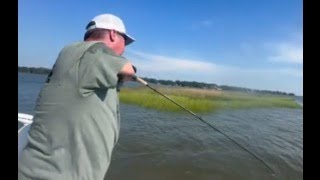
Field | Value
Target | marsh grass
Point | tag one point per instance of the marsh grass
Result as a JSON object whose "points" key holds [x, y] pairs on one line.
{"points": [[201, 100]]}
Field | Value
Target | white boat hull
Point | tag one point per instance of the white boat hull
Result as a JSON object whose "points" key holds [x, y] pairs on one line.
{"points": [[23, 131]]}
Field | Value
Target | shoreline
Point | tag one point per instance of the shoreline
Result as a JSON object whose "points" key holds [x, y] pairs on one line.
{"points": [[202, 101]]}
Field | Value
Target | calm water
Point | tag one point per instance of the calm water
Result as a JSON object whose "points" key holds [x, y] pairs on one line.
{"points": [[170, 146]]}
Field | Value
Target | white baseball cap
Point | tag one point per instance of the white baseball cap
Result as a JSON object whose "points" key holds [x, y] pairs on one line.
{"points": [[112, 22]]}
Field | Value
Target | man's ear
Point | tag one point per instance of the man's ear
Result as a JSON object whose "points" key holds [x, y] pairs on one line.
{"points": [[112, 35]]}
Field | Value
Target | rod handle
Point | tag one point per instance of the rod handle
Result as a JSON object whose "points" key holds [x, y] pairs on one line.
{"points": [[134, 77]]}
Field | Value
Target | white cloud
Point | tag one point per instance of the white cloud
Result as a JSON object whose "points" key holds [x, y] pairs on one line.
{"points": [[286, 53], [206, 23], [172, 68], [166, 64], [292, 71]]}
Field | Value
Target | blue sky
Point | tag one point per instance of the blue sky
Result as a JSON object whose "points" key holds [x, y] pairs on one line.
{"points": [[248, 43]]}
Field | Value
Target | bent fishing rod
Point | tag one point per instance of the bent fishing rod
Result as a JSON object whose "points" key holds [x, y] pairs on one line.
{"points": [[135, 78]]}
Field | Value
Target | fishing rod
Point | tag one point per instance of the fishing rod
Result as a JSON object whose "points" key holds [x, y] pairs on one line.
{"points": [[134, 77]]}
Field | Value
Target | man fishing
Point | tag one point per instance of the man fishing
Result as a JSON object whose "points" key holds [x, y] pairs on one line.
{"points": [[76, 118]]}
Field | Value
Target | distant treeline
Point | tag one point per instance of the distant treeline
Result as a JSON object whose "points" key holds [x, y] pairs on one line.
{"points": [[213, 86], [192, 84], [34, 70]]}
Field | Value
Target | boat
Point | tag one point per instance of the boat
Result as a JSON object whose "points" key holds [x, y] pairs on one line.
{"points": [[24, 122]]}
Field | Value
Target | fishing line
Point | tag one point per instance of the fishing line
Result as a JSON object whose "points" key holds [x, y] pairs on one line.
{"points": [[202, 120]]}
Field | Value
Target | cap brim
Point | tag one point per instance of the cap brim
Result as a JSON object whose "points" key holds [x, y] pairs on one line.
{"points": [[128, 39]]}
